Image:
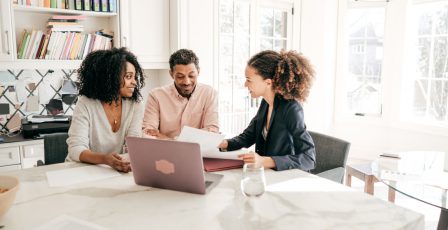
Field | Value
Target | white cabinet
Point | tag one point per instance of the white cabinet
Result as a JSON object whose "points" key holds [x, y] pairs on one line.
{"points": [[31, 153], [22, 154], [6, 44], [145, 28], [10, 155]]}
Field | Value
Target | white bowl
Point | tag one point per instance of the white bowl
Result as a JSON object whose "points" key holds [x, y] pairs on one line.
{"points": [[7, 198]]}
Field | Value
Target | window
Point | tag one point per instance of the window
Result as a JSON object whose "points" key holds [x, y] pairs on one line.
{"points": [[427, 96], [409, 84], [364, 39], [242, 34], [273, 28]]}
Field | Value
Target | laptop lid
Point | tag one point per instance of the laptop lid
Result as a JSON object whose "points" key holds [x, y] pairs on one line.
{"points": [[168, 164]]}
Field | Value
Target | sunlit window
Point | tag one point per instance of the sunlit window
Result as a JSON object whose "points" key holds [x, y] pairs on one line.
{"points": [[365, 32], [428, 94], [241, 34]]}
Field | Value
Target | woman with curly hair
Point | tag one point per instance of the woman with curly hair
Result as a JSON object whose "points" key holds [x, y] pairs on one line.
{"points": [[109, 108], [278, 129]]}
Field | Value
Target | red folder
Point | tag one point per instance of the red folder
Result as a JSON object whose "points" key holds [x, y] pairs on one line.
{"points": [[215, 164]]}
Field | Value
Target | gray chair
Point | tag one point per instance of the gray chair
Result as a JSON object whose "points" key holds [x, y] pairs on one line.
{"points": [[56, 148], [331, 156]]}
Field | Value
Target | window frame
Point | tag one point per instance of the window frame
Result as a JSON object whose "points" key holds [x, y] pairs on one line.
{"points": [[254, 35], [394, 89]]}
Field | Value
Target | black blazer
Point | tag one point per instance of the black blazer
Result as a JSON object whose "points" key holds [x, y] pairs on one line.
{"points": [[287, 141]]}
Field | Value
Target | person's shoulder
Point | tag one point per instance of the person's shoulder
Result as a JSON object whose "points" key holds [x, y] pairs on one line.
{"points": [[207, 89], [290, 105], [83, 100]]}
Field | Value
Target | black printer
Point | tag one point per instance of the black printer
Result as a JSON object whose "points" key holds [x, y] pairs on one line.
{"points": [[34, 125]]}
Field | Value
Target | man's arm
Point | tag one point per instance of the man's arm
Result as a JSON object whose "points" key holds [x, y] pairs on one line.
{"points": [[210, 116]]}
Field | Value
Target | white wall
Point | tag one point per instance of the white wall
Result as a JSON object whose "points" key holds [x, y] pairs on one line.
{"points": [[318, 43], [154, 78], [198, 16], [369, 139]]}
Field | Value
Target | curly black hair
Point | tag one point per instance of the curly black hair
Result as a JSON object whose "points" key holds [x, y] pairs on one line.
{"points": [[291, 73], [183, 57], [101, 75]]}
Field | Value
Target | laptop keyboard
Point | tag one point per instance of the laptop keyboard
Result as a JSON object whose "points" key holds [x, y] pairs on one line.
{"points": [[208, 183]]}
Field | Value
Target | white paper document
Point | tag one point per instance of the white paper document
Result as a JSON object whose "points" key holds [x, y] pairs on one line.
{"points": [[78, 175], [65, 222], [208, 141], [21, 91], [44, 94]]}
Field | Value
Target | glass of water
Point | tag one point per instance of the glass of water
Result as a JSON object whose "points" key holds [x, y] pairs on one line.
{"points": [[253, 182]]}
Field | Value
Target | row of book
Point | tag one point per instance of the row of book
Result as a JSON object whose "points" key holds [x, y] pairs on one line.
{"points": [[84, 5], [55, 45]]}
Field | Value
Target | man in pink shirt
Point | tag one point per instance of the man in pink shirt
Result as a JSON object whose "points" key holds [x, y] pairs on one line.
{"points": [[184, 103]]}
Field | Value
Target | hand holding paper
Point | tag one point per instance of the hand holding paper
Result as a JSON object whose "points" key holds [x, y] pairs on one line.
{"points": [[208, 142]]}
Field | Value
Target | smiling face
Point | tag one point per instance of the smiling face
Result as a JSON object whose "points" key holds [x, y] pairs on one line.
{"points": [[257, 86], [185, 78], [129, 81]]}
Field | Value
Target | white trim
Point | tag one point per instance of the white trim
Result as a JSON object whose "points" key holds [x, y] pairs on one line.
{"points": [[427, 1], [215, 44], [296, 25], [366, 4]]}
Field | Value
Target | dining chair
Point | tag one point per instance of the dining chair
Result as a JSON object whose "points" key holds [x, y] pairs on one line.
{"points": [[55, 148], [331, 156]]}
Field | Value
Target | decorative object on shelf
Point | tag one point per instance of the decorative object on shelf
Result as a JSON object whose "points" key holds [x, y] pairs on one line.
{"points": [[49, 82]]}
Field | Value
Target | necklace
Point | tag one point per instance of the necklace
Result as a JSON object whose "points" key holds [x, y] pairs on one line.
{"points": [[113, 112]]}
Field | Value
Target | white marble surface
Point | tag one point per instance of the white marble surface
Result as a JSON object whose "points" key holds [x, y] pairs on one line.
{"points": [[294, 200]]}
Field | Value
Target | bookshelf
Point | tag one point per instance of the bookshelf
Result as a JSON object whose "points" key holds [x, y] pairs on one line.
{"points": [[145, 27], [31, 18]]}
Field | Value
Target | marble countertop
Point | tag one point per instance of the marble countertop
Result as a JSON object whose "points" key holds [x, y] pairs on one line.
{"points": [[294, 200]]}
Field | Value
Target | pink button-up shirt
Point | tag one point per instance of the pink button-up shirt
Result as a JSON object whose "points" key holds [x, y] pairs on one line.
{"points": [[168, 112]]}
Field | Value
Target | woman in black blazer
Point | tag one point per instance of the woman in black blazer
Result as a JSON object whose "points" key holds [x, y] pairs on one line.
{"points": [[278, 129]]}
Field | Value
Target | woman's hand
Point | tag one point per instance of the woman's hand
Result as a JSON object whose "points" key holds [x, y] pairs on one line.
{"points": [[157, 134], [117, 162], [253, 157], [224, 144]]}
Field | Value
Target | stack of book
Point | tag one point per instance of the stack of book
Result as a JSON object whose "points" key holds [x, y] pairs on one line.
{"points": [[65, 23]]}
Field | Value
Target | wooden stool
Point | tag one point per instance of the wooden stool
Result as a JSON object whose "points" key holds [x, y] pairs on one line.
{"points": [[364, 173]]}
